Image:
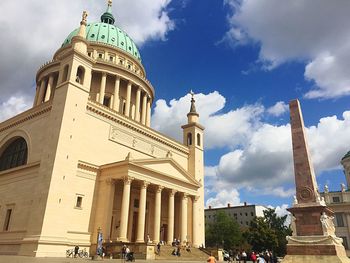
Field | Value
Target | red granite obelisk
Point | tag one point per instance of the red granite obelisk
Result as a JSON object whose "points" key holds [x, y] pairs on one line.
{"points": [[313, 237]]}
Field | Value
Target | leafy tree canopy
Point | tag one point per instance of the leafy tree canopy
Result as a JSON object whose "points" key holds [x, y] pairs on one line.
{"points": [[223, 231], [269, 232]]}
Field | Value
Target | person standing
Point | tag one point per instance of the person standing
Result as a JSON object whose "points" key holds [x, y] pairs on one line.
{"points": [[123, 252], [253, 257], [76, 251], [244, 256], [158, 248]]}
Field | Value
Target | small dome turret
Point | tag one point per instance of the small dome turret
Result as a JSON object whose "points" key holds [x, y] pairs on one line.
{"points": [[107, 16]]}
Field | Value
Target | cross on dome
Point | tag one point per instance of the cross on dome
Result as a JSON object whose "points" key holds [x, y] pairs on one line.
{"points": [[192, 93]]}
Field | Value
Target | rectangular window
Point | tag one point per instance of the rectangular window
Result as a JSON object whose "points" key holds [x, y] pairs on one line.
{"points": [[336, 199], [339, 219], [79, 202], [345, 242], [7, 220], [251, 213]]}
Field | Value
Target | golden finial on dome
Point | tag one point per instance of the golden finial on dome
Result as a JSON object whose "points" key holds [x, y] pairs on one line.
{"points": [[109, 2]]}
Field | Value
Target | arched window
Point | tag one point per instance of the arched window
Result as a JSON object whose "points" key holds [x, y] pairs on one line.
{"points": [[80, 75], [15, 154], [189, 138], [198, 139], [65, 73]]}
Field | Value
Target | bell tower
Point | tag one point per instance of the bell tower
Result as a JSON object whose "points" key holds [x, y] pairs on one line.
{"points": [[193, 139]]}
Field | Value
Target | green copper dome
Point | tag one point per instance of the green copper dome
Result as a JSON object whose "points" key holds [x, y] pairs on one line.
{"points": [[105, 32], [346, 155]]}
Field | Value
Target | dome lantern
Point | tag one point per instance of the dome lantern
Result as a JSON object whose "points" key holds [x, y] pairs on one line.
{"points": [[107, 17]]}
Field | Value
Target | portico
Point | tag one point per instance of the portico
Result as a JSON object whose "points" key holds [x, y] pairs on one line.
{"points": [[136, 199]]}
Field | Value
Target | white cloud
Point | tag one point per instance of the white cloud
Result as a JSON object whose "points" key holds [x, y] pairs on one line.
{"points": [[298, 32], [259, 155], [13, 106], [278, 109], [35, 36], [223, 198], [221, 128], [264, 162]]}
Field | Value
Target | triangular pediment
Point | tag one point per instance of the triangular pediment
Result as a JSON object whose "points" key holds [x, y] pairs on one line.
{"points": [[167, 167]]}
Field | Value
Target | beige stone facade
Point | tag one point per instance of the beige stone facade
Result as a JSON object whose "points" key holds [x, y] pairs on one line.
{"points": [[339, 202], [93, 161], [243, 214]]}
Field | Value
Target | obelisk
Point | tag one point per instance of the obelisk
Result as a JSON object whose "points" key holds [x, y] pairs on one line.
{"points": [[313, 238]]}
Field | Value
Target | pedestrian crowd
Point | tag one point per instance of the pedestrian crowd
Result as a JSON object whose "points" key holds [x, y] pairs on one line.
{"points": [[262, 257]]}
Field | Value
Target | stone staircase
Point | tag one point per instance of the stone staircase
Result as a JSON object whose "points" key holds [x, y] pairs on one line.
{"points": [[195, 255]]}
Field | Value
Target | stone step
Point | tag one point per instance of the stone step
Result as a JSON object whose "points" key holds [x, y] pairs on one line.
{"points": [[194, 254]]}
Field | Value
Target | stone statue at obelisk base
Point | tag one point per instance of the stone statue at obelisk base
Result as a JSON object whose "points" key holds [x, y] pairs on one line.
{"points": [[313, 238]]}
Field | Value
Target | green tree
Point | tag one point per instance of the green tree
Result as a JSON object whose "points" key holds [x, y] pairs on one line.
{"points": [[269, 232], [223, 231]]}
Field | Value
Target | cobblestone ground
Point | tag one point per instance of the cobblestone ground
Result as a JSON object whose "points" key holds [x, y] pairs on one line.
{"points": [[19, 259]]}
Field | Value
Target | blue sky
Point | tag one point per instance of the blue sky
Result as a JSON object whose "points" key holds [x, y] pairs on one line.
{"points": [[244, 61]]}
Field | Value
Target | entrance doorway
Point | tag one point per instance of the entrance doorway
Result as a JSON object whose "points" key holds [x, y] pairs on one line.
{"points": [[164, 233]]}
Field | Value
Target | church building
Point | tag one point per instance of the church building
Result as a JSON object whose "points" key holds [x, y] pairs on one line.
{"points": [[84, 156]]}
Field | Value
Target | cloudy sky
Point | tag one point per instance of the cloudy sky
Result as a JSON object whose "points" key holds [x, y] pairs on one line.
{"points": [[244, 61]]}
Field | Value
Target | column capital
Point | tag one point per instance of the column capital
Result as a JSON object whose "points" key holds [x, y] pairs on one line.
{"points": [[109, 181], [185, 195], [144, 184], [159, 188], [195, 198], [172, 192], [128, 179]]}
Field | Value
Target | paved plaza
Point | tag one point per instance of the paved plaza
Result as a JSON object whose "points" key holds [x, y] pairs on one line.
{"points": [[21, 259]]}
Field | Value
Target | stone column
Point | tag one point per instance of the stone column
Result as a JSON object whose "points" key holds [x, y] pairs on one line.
{"points": [[49, 88], [104, 206], [102, 87], [41, 92], [128, 99], [148, 115], [157, 214], [142, 213], [137, 110], [37, 90], [195, 235], [116, 94], [171, 214], [143, 112], [124, 217], [184, 218]]}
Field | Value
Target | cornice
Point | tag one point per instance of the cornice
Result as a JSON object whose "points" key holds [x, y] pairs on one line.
{"points": [[25, 116]]}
